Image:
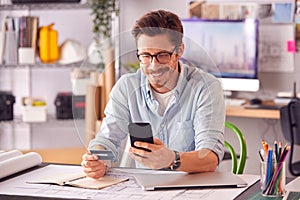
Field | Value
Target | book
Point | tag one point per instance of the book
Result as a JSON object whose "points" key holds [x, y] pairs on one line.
{"points": [[78, 179], [14, 161]]}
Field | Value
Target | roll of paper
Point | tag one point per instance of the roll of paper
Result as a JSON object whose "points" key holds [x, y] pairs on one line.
{"points": [[91, 111], [109, 72], [9, 154], [19, 163]]}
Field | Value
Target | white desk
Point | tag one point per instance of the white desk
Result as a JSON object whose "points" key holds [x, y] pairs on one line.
{"points": [[124, 190]]}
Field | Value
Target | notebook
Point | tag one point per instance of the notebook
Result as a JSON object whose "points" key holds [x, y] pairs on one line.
{"points": [[186, 180]]}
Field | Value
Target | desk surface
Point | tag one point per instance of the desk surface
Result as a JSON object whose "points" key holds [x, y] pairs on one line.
{"points": [[244, 195], [241, 111]]}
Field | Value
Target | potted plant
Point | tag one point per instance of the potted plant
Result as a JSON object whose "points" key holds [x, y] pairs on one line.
{"points": [[102, 12]]}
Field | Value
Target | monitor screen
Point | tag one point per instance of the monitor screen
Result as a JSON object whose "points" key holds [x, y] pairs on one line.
{"points": [[226, 48]]}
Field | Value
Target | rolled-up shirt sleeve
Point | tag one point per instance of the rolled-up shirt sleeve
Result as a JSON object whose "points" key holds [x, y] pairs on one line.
{"points": [[209, 121]]}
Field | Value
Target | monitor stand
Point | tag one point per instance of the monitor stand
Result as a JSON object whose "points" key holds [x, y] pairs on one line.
{"points": [[228, 94], [231, 100]]}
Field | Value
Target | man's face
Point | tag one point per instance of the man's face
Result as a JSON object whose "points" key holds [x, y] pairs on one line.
{"points": [[162, 69]]}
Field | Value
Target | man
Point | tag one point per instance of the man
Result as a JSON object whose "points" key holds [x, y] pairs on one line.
{"points": [[184, 105]]}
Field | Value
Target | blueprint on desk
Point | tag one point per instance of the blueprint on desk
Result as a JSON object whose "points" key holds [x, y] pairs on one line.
{"points": [[125, 190]]}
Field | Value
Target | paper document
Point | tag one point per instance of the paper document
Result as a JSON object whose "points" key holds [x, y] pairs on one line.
{"points": [[293, 190], [294, 185]]}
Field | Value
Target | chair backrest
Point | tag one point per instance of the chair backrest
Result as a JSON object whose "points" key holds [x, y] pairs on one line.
{"points": [[237, 167], [290, 122], [290, 125]]}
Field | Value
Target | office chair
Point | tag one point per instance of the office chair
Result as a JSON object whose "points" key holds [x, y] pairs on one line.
{"points": [[290, 126], [237, 168]]}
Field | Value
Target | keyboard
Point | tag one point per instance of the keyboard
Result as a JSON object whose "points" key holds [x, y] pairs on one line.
{"points": [[234, 102]]}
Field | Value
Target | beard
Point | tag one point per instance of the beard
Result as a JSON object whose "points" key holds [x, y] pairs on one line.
{"points": [[161, 78]]}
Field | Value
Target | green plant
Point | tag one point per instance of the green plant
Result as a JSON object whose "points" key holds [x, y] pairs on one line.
{"points": [[132, 66], [102, 12]]}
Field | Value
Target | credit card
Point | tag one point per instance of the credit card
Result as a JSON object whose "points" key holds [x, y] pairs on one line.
{"points": [[103, 154]]}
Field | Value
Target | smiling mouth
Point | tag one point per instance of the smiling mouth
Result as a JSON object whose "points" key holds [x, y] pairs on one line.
{"points": [[158, 73], [155, 74]]}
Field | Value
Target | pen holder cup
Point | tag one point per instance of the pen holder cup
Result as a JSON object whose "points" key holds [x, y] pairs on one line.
{"points": [[272, 178]]}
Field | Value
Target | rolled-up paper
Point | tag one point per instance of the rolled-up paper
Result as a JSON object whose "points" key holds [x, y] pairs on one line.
{"points": [[102, 95], [91, 111], [109, 72], [9, 154], [19, 163]]}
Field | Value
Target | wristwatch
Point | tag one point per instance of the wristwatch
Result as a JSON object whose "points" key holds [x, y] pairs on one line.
{"points": [[176, 163]]}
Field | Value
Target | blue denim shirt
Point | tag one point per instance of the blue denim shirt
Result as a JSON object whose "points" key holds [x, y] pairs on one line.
{"points": [[193, 120]]}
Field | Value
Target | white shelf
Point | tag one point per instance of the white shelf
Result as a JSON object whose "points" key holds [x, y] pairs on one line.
{"points": [[51, 122], [44, 6], [47, 66]]}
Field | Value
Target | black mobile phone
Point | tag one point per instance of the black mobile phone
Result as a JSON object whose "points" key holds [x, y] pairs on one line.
{"points": [[140, 132]]}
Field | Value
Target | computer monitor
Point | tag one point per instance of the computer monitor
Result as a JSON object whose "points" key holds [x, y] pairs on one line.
{"points": [[226, 48]]}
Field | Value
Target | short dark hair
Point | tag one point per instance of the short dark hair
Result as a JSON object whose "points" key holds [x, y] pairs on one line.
{"points": [[159, 22]]}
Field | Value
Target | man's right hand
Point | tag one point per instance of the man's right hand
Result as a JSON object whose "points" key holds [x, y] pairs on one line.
{"points": [[93, 167]]}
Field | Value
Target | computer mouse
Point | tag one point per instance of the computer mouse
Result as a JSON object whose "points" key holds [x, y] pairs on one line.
{"points": [[255, 101]]}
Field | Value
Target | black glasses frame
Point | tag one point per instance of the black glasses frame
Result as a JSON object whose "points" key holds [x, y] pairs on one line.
{"points": [[155, 55]]}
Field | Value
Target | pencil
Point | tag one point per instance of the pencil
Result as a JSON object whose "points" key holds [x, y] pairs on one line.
{"points": [[265, 146], [276, 151], [268, 170], [261, 157]]}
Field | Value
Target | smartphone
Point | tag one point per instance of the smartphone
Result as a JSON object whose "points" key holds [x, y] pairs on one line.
{"points": [[140, 132]]}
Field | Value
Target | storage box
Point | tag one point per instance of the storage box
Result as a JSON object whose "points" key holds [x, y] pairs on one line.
{"points": [[69, 106], [78, 104], [34, 109], [7, 101], [34, 113], [26, 55], [79, 85], [63, 104]]}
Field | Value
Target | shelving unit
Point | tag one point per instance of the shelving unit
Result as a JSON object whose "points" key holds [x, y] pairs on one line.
{"points": [[11, 131], [53, 133]]}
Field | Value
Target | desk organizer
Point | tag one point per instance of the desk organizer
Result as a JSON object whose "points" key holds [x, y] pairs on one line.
{"points": [[34, 110]]}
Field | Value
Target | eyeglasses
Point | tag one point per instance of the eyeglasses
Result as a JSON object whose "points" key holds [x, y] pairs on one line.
{"points": [[161, 57]]}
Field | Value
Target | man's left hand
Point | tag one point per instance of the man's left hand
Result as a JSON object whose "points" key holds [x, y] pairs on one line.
{"points": [[159, 157]]}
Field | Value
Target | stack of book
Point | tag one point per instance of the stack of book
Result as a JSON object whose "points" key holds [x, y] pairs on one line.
{"points": [[19, 37]]}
